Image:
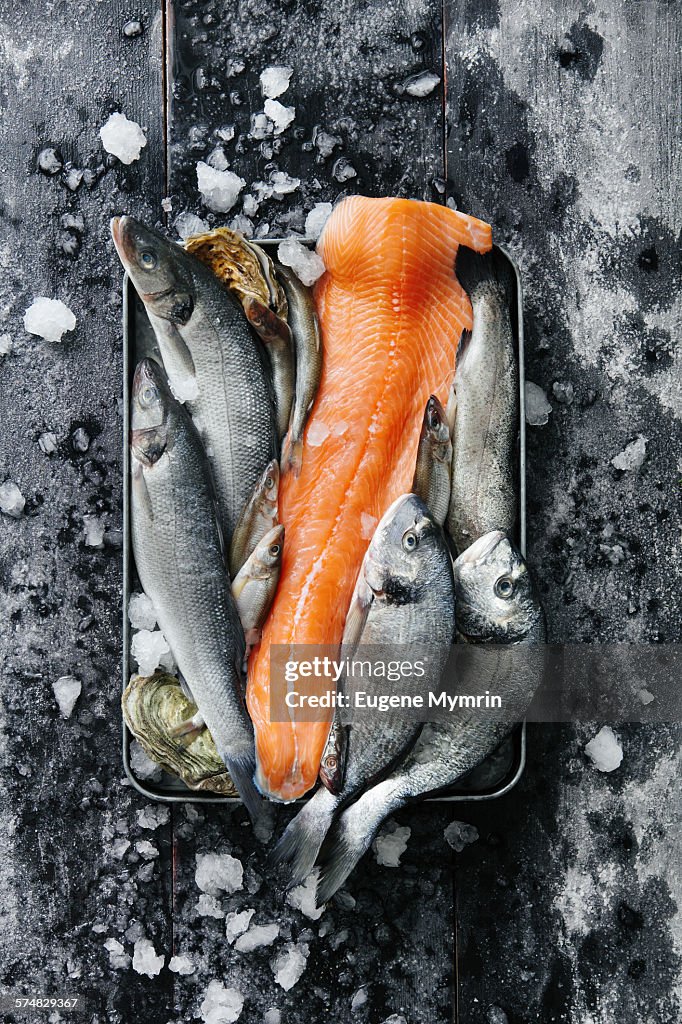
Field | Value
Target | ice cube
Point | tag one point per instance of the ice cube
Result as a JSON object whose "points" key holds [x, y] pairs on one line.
{"points": [[48, 318], [316, 220], [67, 690], [307, 265], [275, 80], [563, 392], [146, 850], [141, 612], [208, 906], [148, 648], [283, 183], [605, 750], [217, 159], [218, 872], [537, 406], [153, 816], [343, 170], [422, 84], [188, 224], [93, 531], [120, 847], [459, 834], [260, 127], [242, 225], [359, 999], [632, 456], [368, 525], [219, 189], [395, 1018], [80, 440], [142, 765], [133, 28], [5, 345], [118, 958], [236, 923], [326, 143], [73, 178], [167, 204], [257, 936], [390, 845], [12, 501], [185, 389], [47, 443], [181, 964], [221, 1005], [145, 959], [122, 138], [272, 1016], [50, 161], [289, 964], [302, 897], [280, 115]]}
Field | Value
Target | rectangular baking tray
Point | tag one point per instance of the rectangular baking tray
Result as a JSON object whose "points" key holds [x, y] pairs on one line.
{"points": [[491, 779]]}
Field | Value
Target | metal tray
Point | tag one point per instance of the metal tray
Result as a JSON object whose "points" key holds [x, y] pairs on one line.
{"points": [[491, 779]]}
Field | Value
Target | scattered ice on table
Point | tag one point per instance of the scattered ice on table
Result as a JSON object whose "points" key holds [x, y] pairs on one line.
{"points": [[80, 440], [537, 406], [142, 765], [645, 696], [145, 959], [181, 964], [118, 958], [316, 220], [250, 205], [302, 897], [282, 183], [307, 265], [226, 133], [632, 456], [421, 85], [148, 648], [359, 999], [217, 159], [123, 138], [272, 1016], [167, 204], [67, 690], [605, 750], [221, 1005], [5, 345], [280, 115], [258, 935], [146, 849], [133, 28], [367, 525], [48, 318], [49, 161], [208, 906], [326, 143], [185, 389], [563, 392], [236, 922], [289, 964], [261, 127], [93, 531], [73, 178], [317, 433], [391, 844], [242, 225], [188, 224], [47, 442], [275, 80], [12, 501], [153, 816], [141, 612], [219, 189], [218, 872], [120, 847], [343, 170], [459, 834]]}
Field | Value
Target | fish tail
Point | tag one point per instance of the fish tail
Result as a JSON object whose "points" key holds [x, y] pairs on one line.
{"points": [[476, 271], [242, 767], [293, 455], [302, 840]]}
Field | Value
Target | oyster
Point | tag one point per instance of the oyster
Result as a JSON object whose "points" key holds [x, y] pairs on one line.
{"points": [[155, 709], [243, 266]]}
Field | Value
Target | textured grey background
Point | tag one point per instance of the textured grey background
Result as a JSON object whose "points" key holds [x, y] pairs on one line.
{"points": [[559, 123]]}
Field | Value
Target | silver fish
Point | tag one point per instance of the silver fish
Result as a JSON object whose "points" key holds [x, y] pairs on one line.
{"points": [[276, 336], [258, 517], [434, 461], [256, 582], [496, 602], [305, 330], [211, 357], [180, 561], [485, 407], [404, 596]]}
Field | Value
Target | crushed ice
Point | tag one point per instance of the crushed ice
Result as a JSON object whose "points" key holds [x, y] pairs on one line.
{"points": [[181, 964], [459, 834], [142, 765], [218, 872], [302, 897], [390, 845], [148, 648], [118, 958], [316, 220], [289, 964], [632, 457], [307, 265], [280, 115], [122, 138], [256, 937], [605, 750], [48, 318], [275, 80], [219, 189], [12, 501], [145, 959], [221, 1005], [141, 612], [93, 531], [537, 406], [236, 923]]}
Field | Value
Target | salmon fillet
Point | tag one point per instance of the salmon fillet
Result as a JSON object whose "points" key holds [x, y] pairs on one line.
{"points": [[391, 313]]}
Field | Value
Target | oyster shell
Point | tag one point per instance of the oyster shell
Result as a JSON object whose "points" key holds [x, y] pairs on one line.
{"points": [[152, 707]]}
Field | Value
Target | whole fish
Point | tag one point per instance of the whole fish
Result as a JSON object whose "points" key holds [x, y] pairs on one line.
{"points": [[495, 603], [486, 419], [276, 336], [258, 517], [404, 596], [211, 357], [305, 330], [179, 558], [254, 585], [434, 461]]}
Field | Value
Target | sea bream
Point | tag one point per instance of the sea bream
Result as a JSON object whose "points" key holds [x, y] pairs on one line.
{"points": [[212, 358], [403, 602], [496, 603], [180, 561]]}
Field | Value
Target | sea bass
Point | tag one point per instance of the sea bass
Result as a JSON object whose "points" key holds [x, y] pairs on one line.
{"points": [[404, 596], [495, 603], [180, 561], [211, 357]]}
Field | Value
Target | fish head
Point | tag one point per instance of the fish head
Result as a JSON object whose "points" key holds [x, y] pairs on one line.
{"points": [[159, 269], [495, 597], [404, 552], [150, 420], [270, 548], [270, 482], [436, 428]]}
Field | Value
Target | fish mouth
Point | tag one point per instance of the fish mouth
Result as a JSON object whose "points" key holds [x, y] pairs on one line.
{"points": [[121, 234], [481, 548]]}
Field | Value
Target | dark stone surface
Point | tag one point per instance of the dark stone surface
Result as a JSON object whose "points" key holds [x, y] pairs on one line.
{"points": [[559, 126]]}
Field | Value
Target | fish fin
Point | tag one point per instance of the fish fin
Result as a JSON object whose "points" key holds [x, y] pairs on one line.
{"points": [[462, 346], [293, 455], [302, 839], [451, 408], [176, 307], [477, 271], [356, 618], [242, 768]]}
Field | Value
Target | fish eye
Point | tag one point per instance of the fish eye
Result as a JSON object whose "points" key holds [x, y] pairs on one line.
{"points": [[148, 394], [269, 483], [275, 550], [410, 540], [434, 418], [504, 587], [148, 259]]}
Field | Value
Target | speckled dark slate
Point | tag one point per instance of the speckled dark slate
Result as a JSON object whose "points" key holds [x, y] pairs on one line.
{"points": [[560, 125]]}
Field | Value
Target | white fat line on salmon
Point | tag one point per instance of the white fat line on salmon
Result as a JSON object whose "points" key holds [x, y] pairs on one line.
{"points": [[329, 668]]}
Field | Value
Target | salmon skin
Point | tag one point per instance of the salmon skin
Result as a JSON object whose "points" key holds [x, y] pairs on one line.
{"points": [[391, 314]]}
